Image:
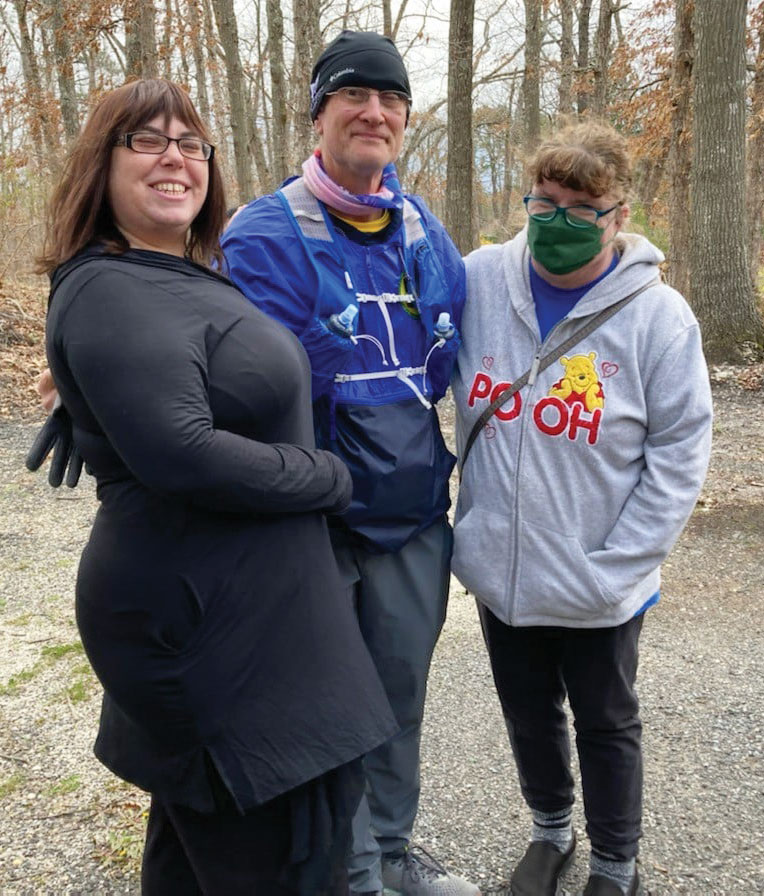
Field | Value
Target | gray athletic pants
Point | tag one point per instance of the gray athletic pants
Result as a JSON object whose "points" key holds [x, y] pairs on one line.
{"points": [[401, 603]]}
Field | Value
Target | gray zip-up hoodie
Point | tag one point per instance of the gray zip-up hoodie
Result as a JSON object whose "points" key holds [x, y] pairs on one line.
{"points": [[578, 487]]}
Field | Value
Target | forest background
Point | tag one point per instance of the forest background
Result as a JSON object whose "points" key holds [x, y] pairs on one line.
{"points": [[682, 79]]}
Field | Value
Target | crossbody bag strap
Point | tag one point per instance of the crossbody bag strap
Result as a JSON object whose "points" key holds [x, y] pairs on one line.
{"points": [[541, 363]]}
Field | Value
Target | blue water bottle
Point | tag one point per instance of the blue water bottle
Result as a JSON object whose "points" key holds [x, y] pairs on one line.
{"points": [[342, 323], [444, 329]]}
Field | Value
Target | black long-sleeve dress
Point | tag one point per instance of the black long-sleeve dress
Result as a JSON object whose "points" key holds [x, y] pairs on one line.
{"points": [[207, 597]]}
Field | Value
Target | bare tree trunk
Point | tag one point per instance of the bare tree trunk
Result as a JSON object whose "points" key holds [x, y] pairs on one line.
{"points": [[91, 61], [395, 25], [62, 52], [567, 58], [141, 57], [196, 36], [602, 61], [387, 19], [720, 282], [584, 90], [495, 187], [346, 15], [531, 82], [478, 196], [755, 178], [279, 164], [183, 38], [680, 149], [237, 95], [167, 40], [258, 143], [649, 175], [305, 15], [459, 210], [41, 126], [510, 146], [47, 66], [215, 65]]}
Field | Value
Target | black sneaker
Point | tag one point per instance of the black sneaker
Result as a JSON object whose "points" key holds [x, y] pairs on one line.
{"points": [[540, 870], [598, 885]]}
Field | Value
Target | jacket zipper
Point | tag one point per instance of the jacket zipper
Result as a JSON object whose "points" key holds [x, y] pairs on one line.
{"points": [[524, 413]]}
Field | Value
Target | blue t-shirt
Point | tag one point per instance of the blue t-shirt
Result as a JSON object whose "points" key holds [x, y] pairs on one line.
{"points": [[553, 303]]}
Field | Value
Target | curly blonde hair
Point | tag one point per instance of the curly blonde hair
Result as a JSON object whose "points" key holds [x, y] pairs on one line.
{"points": [[590, 156]]}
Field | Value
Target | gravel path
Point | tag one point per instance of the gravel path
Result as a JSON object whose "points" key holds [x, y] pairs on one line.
{"points": [[71, 828]]}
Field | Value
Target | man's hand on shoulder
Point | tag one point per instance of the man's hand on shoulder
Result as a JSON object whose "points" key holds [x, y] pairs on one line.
{"points": [[232, 212]]}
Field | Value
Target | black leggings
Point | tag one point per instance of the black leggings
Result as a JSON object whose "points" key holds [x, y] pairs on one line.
{"points": [[533, 669]]}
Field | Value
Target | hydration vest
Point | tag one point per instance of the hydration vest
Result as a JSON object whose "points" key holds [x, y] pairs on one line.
{"points": [[397, 361]]}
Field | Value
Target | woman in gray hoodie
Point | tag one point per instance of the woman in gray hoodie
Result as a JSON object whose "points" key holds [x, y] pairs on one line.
{"points": [[575, 490]]}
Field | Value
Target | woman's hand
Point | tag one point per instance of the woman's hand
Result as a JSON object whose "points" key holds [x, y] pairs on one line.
{"points": [[46, 389]]}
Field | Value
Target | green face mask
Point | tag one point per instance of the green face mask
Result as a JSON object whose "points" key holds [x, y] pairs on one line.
{"points": [[561, 248]]}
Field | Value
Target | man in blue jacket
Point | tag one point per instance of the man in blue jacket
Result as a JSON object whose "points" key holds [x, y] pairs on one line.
{"points": [[370, 282]]}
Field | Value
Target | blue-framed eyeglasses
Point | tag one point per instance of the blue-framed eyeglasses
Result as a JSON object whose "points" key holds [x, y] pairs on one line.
{"points": [[542, 209]]}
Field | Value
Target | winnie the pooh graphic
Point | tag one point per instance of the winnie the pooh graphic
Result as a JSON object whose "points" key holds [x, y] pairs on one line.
{"points": [[580, 383]]}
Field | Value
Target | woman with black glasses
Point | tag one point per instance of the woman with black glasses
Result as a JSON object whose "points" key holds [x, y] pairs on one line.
{"points": [[575, 489], [237, 688]]}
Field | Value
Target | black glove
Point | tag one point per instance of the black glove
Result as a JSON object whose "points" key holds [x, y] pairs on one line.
{"points": [[56, 436]]}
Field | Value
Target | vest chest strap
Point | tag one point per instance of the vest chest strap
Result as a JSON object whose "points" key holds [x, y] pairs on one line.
{"points": [[399, 372], [404, 374]]}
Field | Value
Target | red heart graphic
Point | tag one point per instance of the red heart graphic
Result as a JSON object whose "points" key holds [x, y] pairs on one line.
{"points": [[487, 362], [609, 368], [490, 431]]}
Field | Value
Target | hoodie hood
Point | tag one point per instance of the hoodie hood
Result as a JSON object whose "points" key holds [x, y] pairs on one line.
{"points": [[638, 265]]}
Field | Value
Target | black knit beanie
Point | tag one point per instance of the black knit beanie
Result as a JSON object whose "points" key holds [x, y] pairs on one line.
{"points": [[357, 59]]}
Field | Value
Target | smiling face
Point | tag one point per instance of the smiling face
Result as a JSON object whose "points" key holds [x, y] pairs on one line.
{"points": [[154, 198], [357, 142]]}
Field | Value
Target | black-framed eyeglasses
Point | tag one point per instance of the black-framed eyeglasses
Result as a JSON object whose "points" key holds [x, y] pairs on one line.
{"points": [[155, 144], [392, 100], [542, 209]]}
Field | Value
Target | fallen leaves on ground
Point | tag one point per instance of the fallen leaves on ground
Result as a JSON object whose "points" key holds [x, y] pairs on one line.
{"points": [[22, 349]]}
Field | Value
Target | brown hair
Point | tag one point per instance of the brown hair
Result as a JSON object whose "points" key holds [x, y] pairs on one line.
{"points": [[79, 213], [590, 156]]}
